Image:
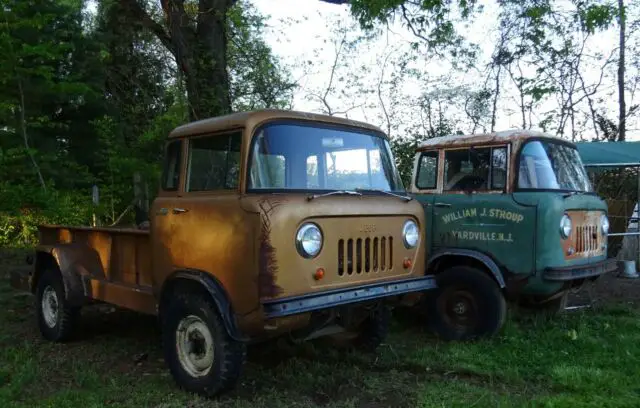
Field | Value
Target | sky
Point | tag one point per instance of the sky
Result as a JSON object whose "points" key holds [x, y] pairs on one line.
{"points": [[295, 41], [300, 34]]}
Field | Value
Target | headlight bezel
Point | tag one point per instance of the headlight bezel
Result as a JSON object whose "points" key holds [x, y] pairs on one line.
{"points": [[604, 221], [566, 224], [300, 236], [410, 224]]}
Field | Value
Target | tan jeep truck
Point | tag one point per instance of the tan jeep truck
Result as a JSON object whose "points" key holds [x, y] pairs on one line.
{"points": [[266, 223]]}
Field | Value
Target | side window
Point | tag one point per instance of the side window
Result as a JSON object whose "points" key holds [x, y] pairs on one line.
{"points": [[171, 168], [467, 169], [498, 168], [214, 162], [427, 178]]}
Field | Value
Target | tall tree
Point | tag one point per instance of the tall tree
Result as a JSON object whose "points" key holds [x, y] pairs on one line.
{"points": [[622, 109], [40, 83], [196, 34]]}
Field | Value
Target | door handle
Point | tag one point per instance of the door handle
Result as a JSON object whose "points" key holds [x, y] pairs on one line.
{"points": [[179, 210], [442, 205]]}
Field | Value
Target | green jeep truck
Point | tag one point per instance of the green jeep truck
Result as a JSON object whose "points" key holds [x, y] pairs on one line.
{"points": [[513, 217]]}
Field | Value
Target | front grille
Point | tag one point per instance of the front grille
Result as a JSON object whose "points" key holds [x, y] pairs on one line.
{"points": [[365, 255], [586, 238]]}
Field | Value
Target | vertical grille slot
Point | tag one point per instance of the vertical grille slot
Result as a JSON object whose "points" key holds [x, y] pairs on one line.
{"points": [[390, 253], [383, 250], [359, 255], [375, 254], [340, 257], [367, 255], [350, 256]]}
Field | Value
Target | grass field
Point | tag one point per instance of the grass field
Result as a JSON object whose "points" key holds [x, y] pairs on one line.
{"points": [[583, 359]]}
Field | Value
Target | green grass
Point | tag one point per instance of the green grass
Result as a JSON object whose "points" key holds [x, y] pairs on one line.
{"points": [[588, 359]]}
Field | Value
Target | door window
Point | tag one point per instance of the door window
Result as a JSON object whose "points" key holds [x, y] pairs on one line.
{"points": [[427, 171], [214, 162], [475, 169], [171, 168]]}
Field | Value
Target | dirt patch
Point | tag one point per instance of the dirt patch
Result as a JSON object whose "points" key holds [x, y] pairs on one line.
{"points": [[609, 289]]}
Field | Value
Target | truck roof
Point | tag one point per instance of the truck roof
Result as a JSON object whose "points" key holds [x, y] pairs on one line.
{"points": [[256, 117], [483, 138]]}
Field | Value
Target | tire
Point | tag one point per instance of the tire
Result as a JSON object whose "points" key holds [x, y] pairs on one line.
{"points": [[467, 304], [193, 322], [374, 330], [56, 319]]}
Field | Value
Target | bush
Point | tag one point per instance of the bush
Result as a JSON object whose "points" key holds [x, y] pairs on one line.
{"points": [[22, 209]]}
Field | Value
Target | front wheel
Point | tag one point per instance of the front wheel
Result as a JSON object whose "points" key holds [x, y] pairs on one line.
{"points": [[201, 356], [467, 304]]}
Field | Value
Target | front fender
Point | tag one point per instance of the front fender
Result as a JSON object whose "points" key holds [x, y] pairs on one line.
{"points": [[214, 288], [73, 262], [468, 253]]}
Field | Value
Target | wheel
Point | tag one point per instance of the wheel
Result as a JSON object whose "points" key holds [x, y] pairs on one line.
{"points": [[374, 329], [56, 318], [467, 304], [201, 356]]}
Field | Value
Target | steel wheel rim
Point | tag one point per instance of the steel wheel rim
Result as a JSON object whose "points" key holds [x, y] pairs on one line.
{"points": [[459, 308], [50, 306], [194, 344]]}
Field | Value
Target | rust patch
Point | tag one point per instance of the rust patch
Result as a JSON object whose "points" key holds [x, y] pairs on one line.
{"points": [[586, 239], [267, 266]]}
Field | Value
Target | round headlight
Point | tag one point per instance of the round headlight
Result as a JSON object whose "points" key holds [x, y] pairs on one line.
{"points": [[565, 226], [604, 224], [410, 234], [309, 240]]}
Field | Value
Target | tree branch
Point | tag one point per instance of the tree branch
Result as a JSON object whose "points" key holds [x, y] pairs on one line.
{"points": [[156, 28]]}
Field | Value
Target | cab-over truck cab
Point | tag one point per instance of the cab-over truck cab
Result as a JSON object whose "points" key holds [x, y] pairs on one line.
{"points": [[510, 214], [266, 223]]}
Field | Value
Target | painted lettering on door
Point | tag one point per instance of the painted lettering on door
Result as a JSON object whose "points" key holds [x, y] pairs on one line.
{"points": [[494, 213]]}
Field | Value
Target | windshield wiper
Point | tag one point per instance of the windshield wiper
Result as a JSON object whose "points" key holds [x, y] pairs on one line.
{"points": [[572, 193], [377, 190], [336, 192]]}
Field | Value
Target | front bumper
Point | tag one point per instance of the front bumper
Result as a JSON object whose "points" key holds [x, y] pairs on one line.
{"points": [[327, 299], [579, 272], [21, 280]]}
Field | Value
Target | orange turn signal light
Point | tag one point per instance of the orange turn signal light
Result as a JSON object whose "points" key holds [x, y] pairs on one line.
{"points": [[406, 263], [319, 274]]}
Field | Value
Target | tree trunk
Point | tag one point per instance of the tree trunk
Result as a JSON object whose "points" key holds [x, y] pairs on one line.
{"points": [[25, 136], [200, 48], [622, 114]]}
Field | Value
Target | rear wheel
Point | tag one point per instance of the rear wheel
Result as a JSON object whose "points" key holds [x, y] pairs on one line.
{"points": [[201, 355], [467, 304], [56, 318]]}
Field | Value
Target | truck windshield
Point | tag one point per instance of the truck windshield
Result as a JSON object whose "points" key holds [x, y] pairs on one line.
{"points": [[310, 157], [549, 165]]}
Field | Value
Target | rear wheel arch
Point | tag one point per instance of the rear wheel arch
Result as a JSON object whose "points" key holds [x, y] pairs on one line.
{"points": [[203, 283], [448, 258], [43, 261]]}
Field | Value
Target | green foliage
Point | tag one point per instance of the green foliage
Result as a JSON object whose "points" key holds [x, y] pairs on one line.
{"points": [[89, 101], [257, 78], [25, 207], [430, 21], [595, 17]]}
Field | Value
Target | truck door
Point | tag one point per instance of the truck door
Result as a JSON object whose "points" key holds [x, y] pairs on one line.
{"points": [[425, 183], [162, 217], [457, 209]]}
